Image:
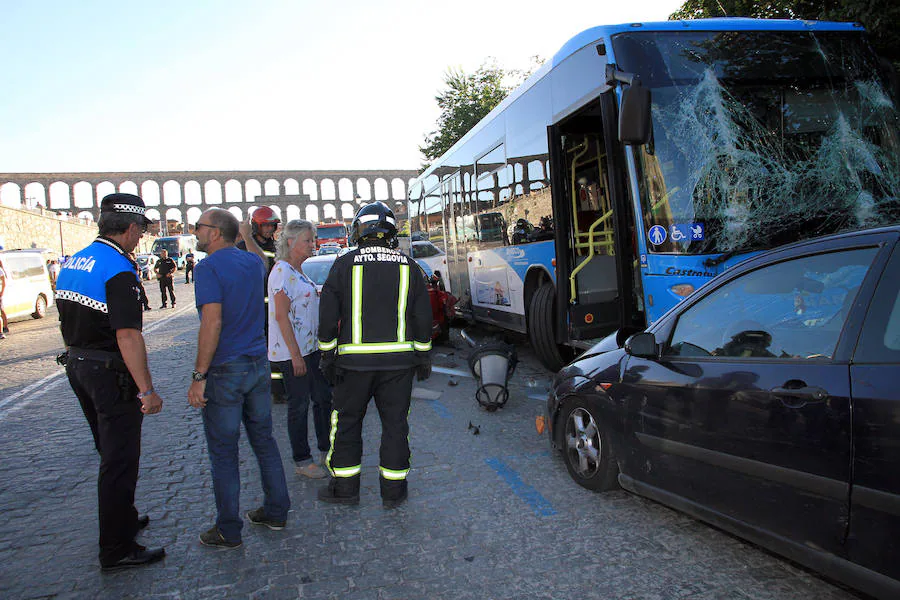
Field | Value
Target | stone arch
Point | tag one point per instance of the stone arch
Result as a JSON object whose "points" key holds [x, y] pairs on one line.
{"points": [[233, 191], [348, 211], [150, 193], [398, 189], [171, 194], [272, 187], [153, 214], [104, 188], [11, 194], [35, 194], [129, 187], [277, 211], [237, 212], [310, 189], [292, 212], [82, 196], [192, 215], [86, 214], [345, 190], [291, 187], [381, 190], [192, 194], [212, 192], [328, 211], [312, 213], [59, 195], [328, 191], [252, 190], [363, 189]]}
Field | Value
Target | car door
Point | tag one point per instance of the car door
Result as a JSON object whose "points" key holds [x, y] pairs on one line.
{"points": [[747, 412], [875, 499]]}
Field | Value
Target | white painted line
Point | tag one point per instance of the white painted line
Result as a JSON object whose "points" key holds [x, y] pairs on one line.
{"points": [[45, 385], [447, 371], [420, 393]]}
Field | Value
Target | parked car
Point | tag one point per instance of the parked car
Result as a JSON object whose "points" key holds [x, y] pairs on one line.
{"points": [[427, 253], [329, 248], [318, 267], [28, 290], [765, 404], [146, 262]]}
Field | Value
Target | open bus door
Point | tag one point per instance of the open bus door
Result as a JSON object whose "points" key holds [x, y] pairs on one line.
{"points": [[595, 255]]}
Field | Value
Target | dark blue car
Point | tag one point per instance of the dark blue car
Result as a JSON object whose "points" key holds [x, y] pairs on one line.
{"points": [[767, 404]]}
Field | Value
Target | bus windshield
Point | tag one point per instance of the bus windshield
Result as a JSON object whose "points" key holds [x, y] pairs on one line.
{"points": [[168, 244], [762, 138]]}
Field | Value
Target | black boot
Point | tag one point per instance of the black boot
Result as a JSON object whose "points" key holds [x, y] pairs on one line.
{"points": [[393, 493], [340, 490]]}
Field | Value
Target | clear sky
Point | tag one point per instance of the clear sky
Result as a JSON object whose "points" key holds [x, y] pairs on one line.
{"points": [[121, 85]]}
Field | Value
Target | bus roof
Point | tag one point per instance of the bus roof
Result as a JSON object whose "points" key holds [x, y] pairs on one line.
{"points": [[603, 33]]}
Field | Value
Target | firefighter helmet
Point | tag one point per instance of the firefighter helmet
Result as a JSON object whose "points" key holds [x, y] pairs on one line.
{"points": [[261, 216], [374, 221]]}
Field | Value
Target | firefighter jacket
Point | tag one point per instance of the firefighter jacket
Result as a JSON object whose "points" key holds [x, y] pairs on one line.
{"points": [[375, 311]]}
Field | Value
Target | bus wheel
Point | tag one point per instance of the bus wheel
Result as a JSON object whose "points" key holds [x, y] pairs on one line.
{"points": [[542, 328], [40, 308]]}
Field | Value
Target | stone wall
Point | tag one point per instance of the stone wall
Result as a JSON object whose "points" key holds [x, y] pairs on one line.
{"points": [[23, 228]]}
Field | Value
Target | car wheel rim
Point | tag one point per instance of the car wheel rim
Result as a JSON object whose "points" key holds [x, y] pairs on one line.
{"points": [[583, 443]]}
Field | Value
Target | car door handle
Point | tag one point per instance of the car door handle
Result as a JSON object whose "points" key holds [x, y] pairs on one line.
{"points": [[796, 394]]}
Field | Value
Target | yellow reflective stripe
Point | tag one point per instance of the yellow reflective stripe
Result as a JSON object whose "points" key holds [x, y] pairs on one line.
{"points": [[346, 471], [331, 434], [277, 376], [422, 347], [269, 254], [394, 475], [356, 310], [375, 348], [328, 345], [401, 303]]}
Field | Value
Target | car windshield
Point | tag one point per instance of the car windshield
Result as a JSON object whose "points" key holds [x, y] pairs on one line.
{"points": [[760, 138], [317, 270]]}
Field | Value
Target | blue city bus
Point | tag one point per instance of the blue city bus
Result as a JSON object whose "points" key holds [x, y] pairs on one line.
{"points": [[645, 158]]}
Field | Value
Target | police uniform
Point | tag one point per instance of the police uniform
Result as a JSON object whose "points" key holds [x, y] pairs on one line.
{"points": [[375, 325], [97, 293]]}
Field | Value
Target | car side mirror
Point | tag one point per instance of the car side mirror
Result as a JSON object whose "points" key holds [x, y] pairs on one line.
{"points": [[642, 345], [634, 116]]}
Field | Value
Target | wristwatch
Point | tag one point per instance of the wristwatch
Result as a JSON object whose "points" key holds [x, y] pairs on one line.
{"points": [[198, 376], [142, 395]]}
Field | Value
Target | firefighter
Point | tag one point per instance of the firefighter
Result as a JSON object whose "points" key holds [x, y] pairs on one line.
{"points": [[375, 334]]}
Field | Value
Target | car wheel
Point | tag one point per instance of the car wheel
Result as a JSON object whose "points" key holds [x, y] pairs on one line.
{"points": [[40, 308], [586, 449], [542, 328]]}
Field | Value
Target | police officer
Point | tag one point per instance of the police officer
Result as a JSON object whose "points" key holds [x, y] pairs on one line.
{"points": [[375, 331], [101, 319]]}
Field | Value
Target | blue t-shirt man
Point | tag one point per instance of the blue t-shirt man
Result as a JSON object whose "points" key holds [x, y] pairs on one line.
{"points": [[226, 277]]}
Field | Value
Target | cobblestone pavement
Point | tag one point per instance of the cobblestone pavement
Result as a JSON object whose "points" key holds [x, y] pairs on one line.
{"points": [[492, 515]]}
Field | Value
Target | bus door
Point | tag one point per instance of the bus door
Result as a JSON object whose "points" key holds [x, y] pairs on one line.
{"points": [[455, 237], [595, 257]]}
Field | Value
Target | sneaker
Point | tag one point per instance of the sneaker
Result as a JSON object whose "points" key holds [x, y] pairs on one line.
{"points": [[311, 470], [214, 538], [258, 517]]}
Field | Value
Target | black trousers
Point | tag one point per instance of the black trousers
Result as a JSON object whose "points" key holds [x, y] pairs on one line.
{"points": [[167, 283], [144, 302], [110, 405], [352, 392], [188, 271]]}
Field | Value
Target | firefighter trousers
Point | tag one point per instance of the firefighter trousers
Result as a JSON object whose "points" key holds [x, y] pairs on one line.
{"points": [[352, 392]]}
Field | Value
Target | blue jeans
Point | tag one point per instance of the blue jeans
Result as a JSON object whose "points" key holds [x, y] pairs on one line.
{"points": [[299, 391], [239, 391]]}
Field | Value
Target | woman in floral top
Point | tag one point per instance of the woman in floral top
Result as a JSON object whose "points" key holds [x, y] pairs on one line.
{"points": [[293, 344]]}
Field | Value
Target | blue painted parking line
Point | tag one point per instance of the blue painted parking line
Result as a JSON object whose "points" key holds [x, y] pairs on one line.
{"points": [[531, 496], [441, 410]]}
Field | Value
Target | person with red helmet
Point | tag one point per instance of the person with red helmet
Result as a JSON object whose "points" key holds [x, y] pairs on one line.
{"points": [[258, 233]]}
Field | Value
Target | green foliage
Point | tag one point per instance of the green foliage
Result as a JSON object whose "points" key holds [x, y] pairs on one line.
{"points": [[468, 98], [881, 18]]}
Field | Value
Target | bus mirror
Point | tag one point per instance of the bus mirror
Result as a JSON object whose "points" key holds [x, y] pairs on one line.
{"points": [[634, 117]]}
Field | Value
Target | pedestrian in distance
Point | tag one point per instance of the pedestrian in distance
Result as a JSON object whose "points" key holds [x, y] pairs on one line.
{"points": [[165, 272], [375, 330], [4, 323], [106, 364], [231, 379], [188, 266], [145, 303], [293, 344]]}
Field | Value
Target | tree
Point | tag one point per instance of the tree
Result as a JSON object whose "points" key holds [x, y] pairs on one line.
{"points": [[467, 99], [881, 18]]}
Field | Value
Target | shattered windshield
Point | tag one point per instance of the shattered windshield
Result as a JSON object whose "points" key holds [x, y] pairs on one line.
{"points": [[762, 138]]}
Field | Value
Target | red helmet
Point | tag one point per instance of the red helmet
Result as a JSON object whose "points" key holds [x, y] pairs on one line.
{"points": [[263, 215]]}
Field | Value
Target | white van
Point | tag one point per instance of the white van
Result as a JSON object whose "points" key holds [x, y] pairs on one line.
{"points": [[28, 290]]}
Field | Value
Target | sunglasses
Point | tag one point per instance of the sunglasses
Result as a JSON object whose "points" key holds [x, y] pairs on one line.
{"points": [[199, 225]]}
